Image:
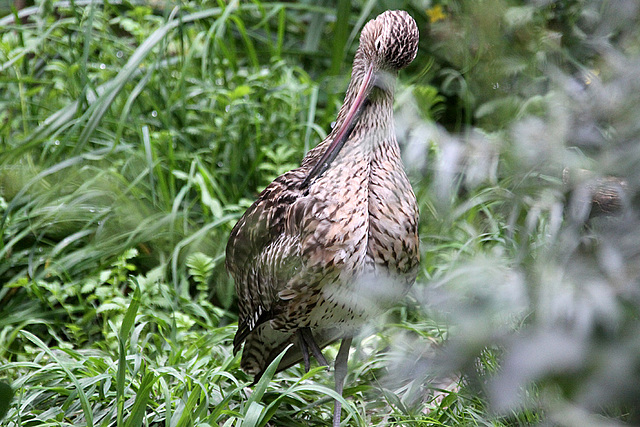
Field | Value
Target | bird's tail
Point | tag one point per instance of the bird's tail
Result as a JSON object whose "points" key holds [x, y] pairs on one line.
{"points": [[264, 344]]}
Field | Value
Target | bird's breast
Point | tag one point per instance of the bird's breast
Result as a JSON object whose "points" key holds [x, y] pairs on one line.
{"points": [[335, 230], [363, 218]]}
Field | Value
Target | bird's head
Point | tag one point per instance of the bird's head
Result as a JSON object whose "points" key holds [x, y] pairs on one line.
{"points": [[390, 42]]}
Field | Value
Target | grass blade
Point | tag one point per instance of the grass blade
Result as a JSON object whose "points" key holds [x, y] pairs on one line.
{"points": [[263, 383], [142, 397], [340, 35], [123, 337], [6, 395]]}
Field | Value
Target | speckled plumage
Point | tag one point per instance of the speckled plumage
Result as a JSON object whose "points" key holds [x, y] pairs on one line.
{"points": [[328, 247]]}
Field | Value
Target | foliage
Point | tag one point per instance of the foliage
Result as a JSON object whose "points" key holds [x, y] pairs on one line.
{"points": [[133, 135]]}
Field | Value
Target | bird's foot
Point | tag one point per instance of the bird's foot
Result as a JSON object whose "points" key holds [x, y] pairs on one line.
{"points": [[304, 349], [307, 342]]}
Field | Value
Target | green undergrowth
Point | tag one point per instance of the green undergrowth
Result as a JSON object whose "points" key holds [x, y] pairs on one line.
{"points": [[134, 134]]}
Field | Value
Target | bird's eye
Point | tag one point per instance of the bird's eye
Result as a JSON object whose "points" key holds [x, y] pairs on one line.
{"points": [[378, 44]]}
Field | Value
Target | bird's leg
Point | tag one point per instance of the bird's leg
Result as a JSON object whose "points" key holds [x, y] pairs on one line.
{"points": [[304, 349], [340, 374], [307, 336]]}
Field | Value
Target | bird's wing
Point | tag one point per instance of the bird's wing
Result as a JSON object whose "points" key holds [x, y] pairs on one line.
{"points": [[263, 252]]}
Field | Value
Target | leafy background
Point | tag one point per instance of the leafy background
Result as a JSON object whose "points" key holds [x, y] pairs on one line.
{"points": [[134, 134]]}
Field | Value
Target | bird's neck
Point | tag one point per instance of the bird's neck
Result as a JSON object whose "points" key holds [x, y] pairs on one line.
{"points": [[374, 128], [378, 111]]}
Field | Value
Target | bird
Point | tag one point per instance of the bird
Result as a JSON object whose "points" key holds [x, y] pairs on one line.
{"points": [[334, 242]]}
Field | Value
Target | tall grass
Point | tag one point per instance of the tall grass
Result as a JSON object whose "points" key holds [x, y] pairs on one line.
{"points": [[133, 135]]}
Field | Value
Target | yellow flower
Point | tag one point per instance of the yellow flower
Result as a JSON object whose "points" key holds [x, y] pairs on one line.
{"points": [[591, 75], [435, 14]]}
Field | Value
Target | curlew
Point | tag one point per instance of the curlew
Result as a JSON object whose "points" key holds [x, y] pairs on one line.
{"points": [[334, 242]]}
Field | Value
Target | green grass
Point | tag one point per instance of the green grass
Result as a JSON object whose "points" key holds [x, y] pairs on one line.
{"points": [[134, 135]]}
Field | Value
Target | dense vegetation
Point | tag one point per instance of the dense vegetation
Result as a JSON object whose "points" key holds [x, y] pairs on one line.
{"points": [[134, 134]]}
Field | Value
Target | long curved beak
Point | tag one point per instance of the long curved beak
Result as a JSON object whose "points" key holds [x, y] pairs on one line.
{"points": [[345, 129]]}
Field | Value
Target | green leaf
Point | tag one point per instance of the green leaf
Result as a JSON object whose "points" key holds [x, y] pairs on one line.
{"points": [[6, 395], [253, 414], [123, 337], [264, 381], [340, 36], [142, 397]]}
